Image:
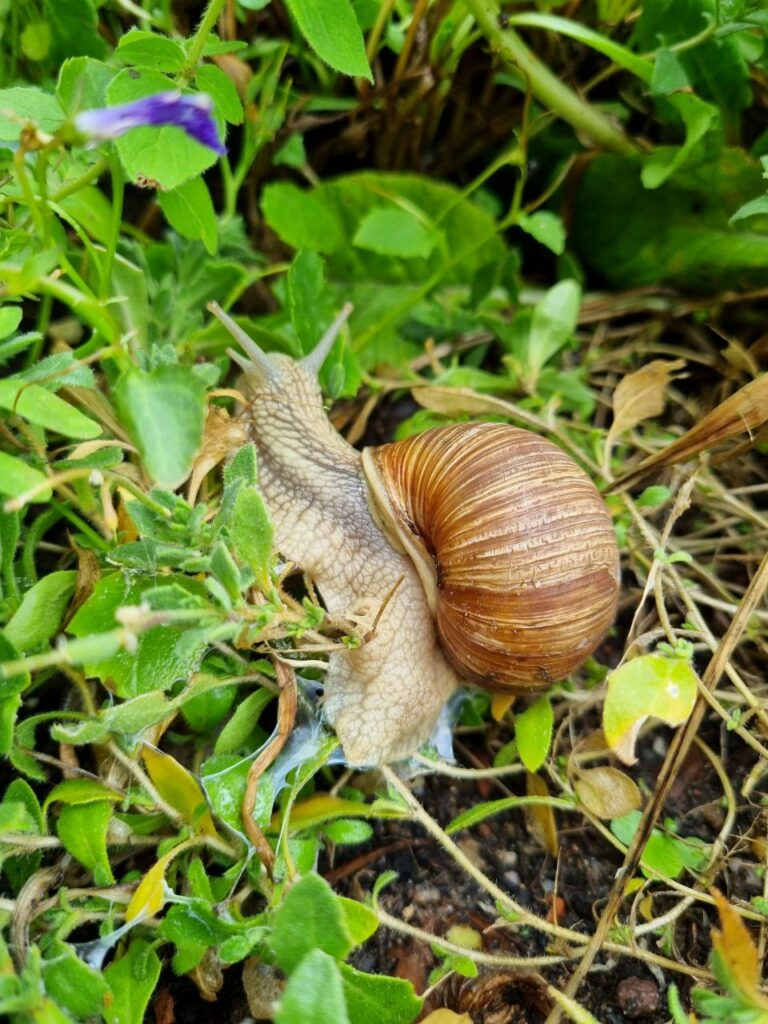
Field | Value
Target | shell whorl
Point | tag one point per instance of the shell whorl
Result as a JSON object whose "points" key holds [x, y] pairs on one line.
{"points": [[517, 548]]}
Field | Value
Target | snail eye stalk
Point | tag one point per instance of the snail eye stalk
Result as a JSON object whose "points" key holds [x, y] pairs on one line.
{"points": [[191, 113]]}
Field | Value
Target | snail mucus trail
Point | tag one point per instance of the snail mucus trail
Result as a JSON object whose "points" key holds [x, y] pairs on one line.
{"points": [[528, 562]]}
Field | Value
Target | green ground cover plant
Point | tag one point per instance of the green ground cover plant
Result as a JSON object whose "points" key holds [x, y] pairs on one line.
{"points": [[548, 214]]}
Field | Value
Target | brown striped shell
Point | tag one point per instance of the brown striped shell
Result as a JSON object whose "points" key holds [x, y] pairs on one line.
{"points": [[514, 545]]}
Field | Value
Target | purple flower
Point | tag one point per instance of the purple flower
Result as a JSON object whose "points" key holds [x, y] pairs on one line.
{"points": [[190, 113]]}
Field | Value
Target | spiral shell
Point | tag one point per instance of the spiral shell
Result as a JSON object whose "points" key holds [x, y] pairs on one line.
{"points": [[513, 543]]}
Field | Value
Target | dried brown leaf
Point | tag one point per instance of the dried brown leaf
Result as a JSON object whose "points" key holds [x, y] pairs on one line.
{"points": [[641, 395], [540, 819], [737, 951], [221, 437], [744, 412], [606, 792]]}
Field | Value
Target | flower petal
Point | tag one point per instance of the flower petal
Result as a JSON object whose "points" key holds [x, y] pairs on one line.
{"points": [[191, 113]]}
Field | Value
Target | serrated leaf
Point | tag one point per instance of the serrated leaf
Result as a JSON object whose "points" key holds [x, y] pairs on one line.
{"points": [[150, 50], [650, 685], [179, 788]]}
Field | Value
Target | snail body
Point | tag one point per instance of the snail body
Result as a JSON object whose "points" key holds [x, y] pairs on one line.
{"points": [[485, 552]]}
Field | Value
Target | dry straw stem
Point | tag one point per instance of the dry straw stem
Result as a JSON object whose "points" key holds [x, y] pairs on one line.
{"points": [[676, 753]]}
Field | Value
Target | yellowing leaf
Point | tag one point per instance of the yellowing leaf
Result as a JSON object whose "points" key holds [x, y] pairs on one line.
{"points": [[464, 936], [540, 818], [447, 1017], [325, 807], [179, 788], [150, 892], [737, 952], [606, 792], [650, 685], [500, 705], [641, 395]]}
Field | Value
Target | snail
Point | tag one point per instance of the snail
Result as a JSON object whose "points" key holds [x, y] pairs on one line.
{"points": [[488, 553]]}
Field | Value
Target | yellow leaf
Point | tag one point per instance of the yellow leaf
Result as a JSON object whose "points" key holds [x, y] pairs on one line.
{"points": [[500, 705], [737, 951], [325, 807], [464, 936], [150, 893], [179, 788], [540, 818], [447, 1017]]}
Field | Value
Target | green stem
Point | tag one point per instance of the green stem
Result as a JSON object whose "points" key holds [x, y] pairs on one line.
{"points": [[86, 178], [545, 86], [118, 191], [195, 52]]}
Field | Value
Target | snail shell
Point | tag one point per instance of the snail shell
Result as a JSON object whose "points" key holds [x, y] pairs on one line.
{"points": [[513, 543]]}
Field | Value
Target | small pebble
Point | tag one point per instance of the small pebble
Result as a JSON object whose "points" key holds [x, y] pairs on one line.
{"points": [[638, 997]]}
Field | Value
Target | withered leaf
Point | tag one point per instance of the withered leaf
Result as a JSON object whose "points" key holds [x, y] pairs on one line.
{"points": [[222, 436], [737, 952], [606, 792], [641, 395], [540, 819]]}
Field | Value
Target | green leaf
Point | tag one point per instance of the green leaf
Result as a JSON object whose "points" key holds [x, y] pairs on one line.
{"points": [[348, 832], [245, 719], [16, 477], [305, 283], [42, 407], [165, 413], [188, 208], [332, 30], [80, 989], [373, 999], [697, 116], [392, 231], [546, 227], [132, 979], [650, 685], [21, 106], [533, 732], [653, 497], [300, 218], [82, 828], [39, 616], [162, 155], [309, 918], [553, 322], [15, 684], [10, 318], [150, 50], [81, 791], [668, 74], [36, 40], [251, 533], [83, 84], [212, 80], [359, 920], [74, 28], [314, 993], [754, 208]]}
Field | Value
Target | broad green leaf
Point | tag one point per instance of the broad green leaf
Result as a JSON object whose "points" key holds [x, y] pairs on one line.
{"points": [[546, 227], [83, 84], [80, 989], [42, 407], [188, 208], [10, 318], [220, 87], [668, 74], [39, 616], [533, 732], [16, 478], [373, 999], [132, 979], [650, 685], [309, 918], [697, 116], [150, 50], [179, 788], [332, 30], [251, 533], [165, 412], [553, 322], [300, 218], [393, 231], [21, 106], [164, 156], [74, 29], [360, 921], [305, 283], [205, 712], [82, 828], [314, 993], [224, 779]]}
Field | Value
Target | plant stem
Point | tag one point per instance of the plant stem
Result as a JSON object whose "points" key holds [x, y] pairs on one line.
{"points": [[212, 12], [545, 86], [84, 179]]}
